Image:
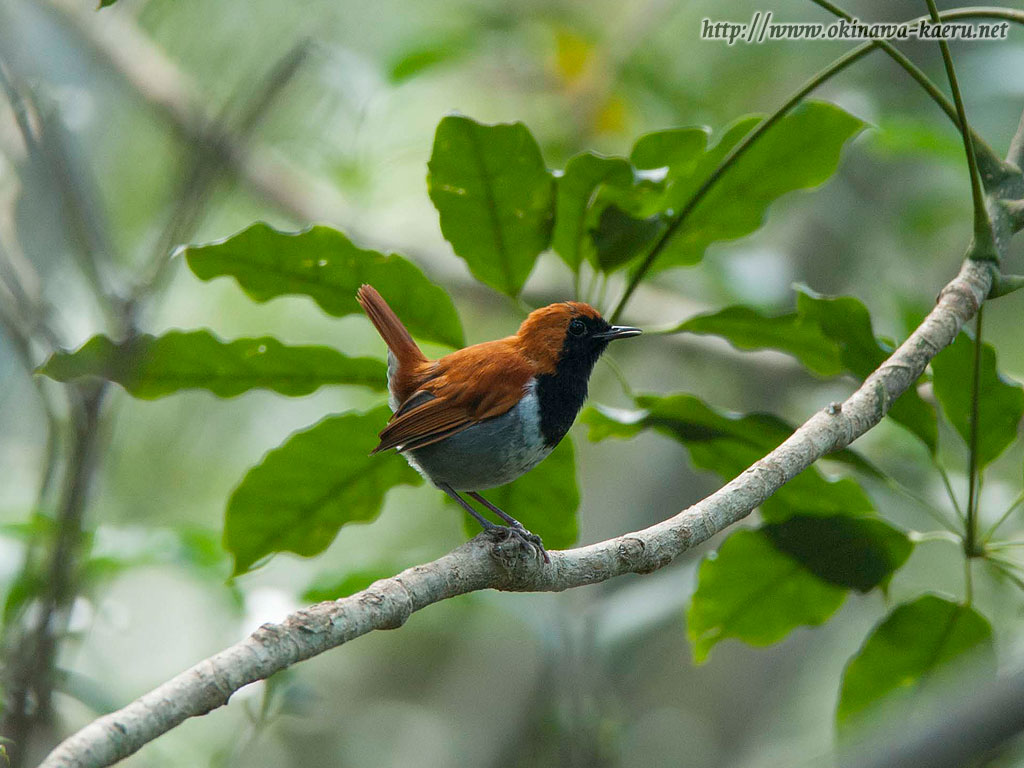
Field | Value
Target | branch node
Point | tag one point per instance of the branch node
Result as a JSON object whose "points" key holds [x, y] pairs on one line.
{"points": [[518, 562], [391, 600], [960, 292], [632, 552]]}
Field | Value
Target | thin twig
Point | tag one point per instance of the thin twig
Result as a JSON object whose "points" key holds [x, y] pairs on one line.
{"points": [[1003, 518], [970, 539], [983, 235], [949, 489], [824, 75], [925, 504], [995, 546], [953, 110]]}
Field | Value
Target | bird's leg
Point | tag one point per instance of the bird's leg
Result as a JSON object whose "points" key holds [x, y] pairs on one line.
{"points": [[519, 532], [487, 524], [503, 515], [516, 525]]}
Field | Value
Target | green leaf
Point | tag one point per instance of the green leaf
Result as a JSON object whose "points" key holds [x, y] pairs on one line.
{"points": [[747, 328], [855, 553], [827, 334], [729, 443], [545, 499], [24, 587], [576, 190], [898, 138], [686, 174], [800, 151], [1000, 400], [619, 237], [676, 148], [751, 591], [429, 53], [153, 366], [323, 264], [846, 321], [494, 196], [302, 492], [908, 649]]}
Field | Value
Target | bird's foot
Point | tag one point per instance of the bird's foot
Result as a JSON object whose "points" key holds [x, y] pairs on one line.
{"points": [[531, 541]]}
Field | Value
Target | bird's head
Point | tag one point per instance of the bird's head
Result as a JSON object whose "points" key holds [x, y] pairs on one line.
{"points": [[568, 334]]}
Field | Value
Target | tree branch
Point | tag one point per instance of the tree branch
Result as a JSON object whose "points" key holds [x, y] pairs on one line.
{"points": [[485, 564]]}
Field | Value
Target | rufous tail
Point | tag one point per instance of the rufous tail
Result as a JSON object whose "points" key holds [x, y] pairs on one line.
{"points": [[389, 327]]}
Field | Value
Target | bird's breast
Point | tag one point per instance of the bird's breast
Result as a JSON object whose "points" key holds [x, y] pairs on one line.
{"points": [[491, 453]]}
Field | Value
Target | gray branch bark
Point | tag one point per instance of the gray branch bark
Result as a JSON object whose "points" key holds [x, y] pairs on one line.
{"points": [[483, 563]]}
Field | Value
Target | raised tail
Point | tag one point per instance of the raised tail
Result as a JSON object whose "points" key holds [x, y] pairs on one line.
{"points": [[389, 327]]}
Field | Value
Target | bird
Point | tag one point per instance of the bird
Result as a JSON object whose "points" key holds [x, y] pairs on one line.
{"points": [[484, 415]]}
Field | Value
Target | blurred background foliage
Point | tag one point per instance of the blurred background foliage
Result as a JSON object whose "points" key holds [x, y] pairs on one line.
{"points": [[177, 129]]}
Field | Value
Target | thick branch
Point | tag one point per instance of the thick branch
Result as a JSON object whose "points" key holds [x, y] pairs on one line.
{"points": [[481, 564]]}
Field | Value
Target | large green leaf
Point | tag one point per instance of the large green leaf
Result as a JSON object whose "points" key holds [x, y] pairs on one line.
{"points": [[323, 264], [576, 190], [609, 214], [153, 366], [686, 173], [302, 492], [751, 591], [495, 198], [748, 328], [1000, 400], [846, 321], [728, 443], [908, 649], [545, 499], [618, 237], [800, 151], [856, 553], [828, 334]]}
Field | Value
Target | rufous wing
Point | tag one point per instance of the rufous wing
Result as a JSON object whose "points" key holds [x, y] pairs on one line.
{"points": [[427, 423], [460, 390]]}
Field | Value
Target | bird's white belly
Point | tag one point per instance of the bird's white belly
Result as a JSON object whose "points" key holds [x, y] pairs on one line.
{"points": [[488, 454]]}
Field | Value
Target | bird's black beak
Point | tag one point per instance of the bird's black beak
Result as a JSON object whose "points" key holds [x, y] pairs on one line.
{"points": [[618, 332]]}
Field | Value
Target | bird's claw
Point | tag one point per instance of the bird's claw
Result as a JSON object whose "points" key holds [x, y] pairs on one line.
{"points": [[527, 539], [532, 538]]}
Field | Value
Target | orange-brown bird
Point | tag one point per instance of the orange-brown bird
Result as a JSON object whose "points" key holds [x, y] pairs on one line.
{"points": [[482, 416]]}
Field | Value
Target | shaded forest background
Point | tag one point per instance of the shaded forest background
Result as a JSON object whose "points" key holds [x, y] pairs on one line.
{"points": [[598, 676]]}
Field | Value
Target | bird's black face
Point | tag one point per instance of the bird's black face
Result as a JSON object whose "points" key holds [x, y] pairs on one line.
{"points": [[562, 393], [587, 337]]}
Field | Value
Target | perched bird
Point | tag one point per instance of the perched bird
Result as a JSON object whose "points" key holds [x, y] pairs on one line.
{"points": [[482, 416]]}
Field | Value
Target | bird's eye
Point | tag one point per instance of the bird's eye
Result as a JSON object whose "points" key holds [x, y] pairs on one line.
{"points": [[577, 328]]}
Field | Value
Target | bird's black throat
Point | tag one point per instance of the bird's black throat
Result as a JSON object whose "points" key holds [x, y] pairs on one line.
{"points": [[560, 395]]}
